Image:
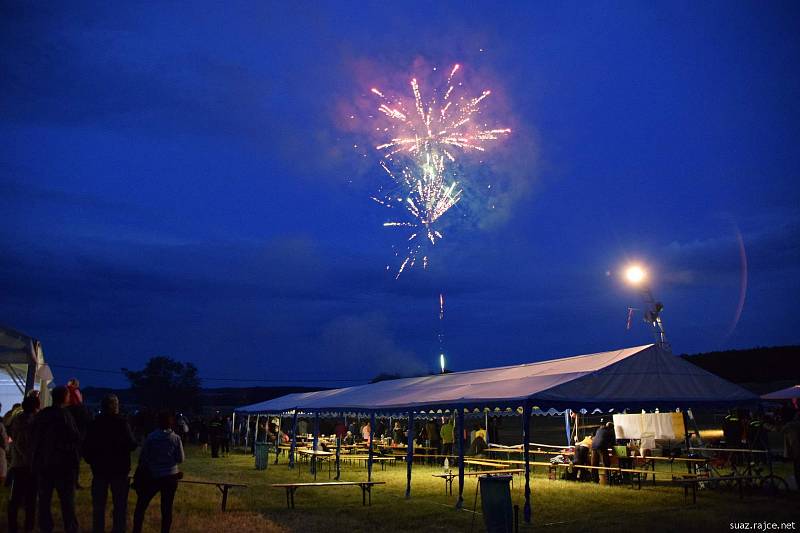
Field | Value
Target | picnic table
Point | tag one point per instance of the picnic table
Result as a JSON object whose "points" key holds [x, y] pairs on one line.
{"points": [[448, 476], [314, 456], [366, 489], [382, 459]]}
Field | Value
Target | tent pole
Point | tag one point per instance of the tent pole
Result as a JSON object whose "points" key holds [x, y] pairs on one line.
{"points": [[526, 439], [339, 447], [409, 453], [460, 437], [293, 445], [567, 427], [486, 426], [233, 429], [371, 439], [277, 438], [314, 443], [30, 377], [255, 438], [688, 440], [247, 433]]}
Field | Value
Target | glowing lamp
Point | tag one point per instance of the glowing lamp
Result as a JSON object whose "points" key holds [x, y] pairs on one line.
{"points": [[441, 362], [635, 274]]}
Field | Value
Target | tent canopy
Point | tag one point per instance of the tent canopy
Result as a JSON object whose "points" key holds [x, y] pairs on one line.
{"points": [[639, 377], [788, 393], [21, 366]]}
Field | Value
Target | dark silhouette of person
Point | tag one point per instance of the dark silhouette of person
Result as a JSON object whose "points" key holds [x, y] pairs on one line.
{"points": [[107, 448], [54, 459], [157, 472]]}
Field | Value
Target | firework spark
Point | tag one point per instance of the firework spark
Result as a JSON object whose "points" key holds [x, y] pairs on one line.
{"points": [[428, 195], [436, 126]]}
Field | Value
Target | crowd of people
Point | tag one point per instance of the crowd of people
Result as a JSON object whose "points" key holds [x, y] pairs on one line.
{"points": [[437, 435], [46, 447]]}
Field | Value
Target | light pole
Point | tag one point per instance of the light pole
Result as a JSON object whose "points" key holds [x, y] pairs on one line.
{"points": [[636, 276]]}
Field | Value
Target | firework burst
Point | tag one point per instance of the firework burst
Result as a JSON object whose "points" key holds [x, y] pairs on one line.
{"points": [[440, 125], [425, 194]]}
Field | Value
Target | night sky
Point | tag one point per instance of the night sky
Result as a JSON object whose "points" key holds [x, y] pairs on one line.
{"points": [[181, 180]]}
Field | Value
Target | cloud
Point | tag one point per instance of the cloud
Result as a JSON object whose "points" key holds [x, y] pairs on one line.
{"points": [[360, 344]]}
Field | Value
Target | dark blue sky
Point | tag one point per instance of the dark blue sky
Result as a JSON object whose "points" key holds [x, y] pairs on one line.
{"points": [[180, 180]]}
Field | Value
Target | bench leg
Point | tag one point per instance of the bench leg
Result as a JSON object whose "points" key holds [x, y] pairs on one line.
{"points": [[224, 490]]}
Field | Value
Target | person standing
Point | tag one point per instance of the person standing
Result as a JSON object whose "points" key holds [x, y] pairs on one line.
{"points": [[434, 439], [3, 449], [791, 442], [366, 433], [54, 461], [447, 433], [215, 429], [80, 413], [107, 449], [157, 471], [227, 435], [23, 488], [602, 441]]}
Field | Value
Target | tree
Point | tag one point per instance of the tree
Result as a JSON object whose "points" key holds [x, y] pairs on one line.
{"points": [[165, 383]]}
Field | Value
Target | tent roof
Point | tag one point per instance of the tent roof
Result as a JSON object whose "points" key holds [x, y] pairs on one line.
{"points": [[783, 394], [15, 347], [639, 377]]}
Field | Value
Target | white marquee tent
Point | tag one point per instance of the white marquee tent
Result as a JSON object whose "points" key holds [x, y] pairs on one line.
{"points": [[642, 377], [788, 393], [22, 368]]}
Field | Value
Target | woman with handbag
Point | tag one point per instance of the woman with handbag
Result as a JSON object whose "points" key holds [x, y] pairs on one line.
{"points": [[157, 471]]}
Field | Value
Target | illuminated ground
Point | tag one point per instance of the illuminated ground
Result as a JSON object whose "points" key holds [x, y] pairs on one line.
{"points": [[558, 506]]}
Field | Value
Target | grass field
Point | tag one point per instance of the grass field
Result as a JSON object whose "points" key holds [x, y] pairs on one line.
{"points": [[557, 505]]}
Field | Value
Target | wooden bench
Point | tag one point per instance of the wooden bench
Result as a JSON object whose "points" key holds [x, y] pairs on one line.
{"points": [[223, 487], [482, 462], [449, 476], [691, 481], [366, 488]]}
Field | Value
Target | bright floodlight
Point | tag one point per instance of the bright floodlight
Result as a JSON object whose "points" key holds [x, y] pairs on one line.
{"points": [[441, 362], [635, 274]]}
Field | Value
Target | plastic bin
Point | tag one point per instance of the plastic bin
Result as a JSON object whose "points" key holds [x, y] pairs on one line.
{"points": [[261, 455], [498, 514]]}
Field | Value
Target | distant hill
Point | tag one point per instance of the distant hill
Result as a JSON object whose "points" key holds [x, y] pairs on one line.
{"points": [[759, 369]]}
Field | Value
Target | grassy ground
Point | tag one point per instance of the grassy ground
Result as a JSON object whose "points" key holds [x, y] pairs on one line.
{"points": [[557, 505]]}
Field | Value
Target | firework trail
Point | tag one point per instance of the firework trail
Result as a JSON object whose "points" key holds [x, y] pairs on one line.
{"points": [[439, 125]]}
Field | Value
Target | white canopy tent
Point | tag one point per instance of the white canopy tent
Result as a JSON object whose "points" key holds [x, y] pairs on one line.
{"points": [[635, 378], [642, 377], [789, 393], [22, 368]]}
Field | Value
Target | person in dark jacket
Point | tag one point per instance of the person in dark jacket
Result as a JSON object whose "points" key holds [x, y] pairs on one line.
{"points": [[23, 488], [54, 459], [161, 454], [604, 439], [215, 430], [107, 448]]}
